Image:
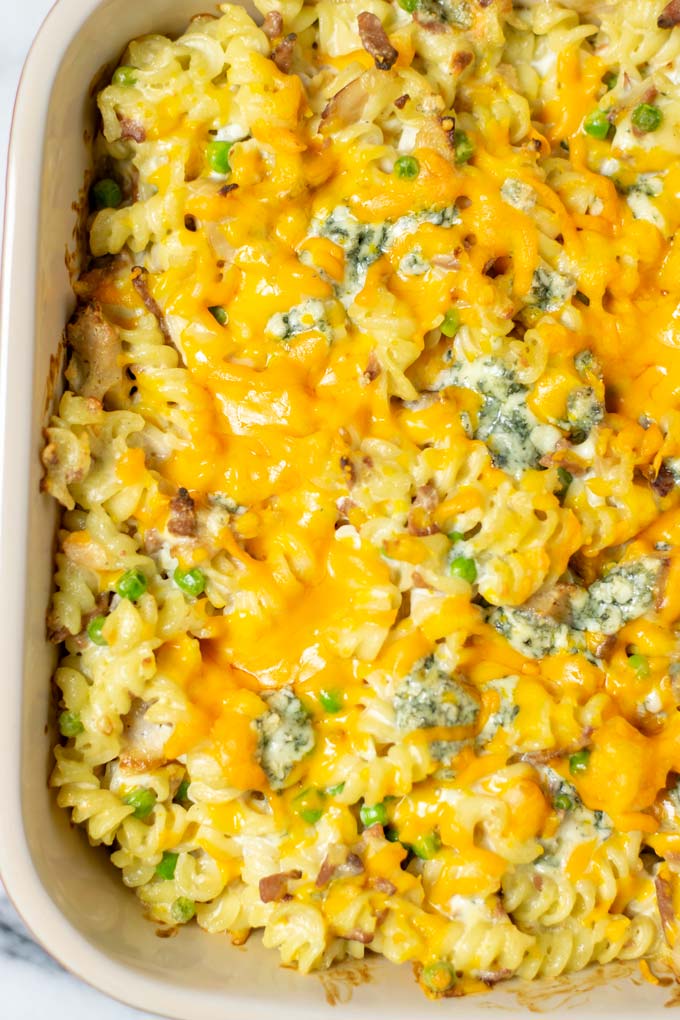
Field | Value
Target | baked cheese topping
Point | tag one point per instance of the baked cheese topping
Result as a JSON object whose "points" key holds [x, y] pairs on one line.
{"points": [[369, 568]]}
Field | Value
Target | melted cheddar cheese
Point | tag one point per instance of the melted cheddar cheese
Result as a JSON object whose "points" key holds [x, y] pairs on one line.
{"points": [[369, 568]]}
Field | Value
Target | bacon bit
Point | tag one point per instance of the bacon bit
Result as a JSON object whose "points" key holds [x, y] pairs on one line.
{"points": [[543, 757], [425, 501], [419, 581], [56, 634], [538, 882], [449, 262], [353, 865], [664, 897], [670, 15], [373, 368], [227, 189], [94, 366], [383, 885], [344, 505], [131, 129], [374, 831], [152, 541], [460, 61], [273, 887], [272, 26], [356, 935], [182, 520], [434, 26], [665, 480], [337, 864], [492, 977], [374, 40], [401, 101], [141, 284], [190, 223], [427, 496], [554, 602], [485, 3], [326, 872], [282, 55], [560, 457], [606, 647]]}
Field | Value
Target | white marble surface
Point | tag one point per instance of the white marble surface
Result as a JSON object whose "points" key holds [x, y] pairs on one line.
{"points": [[32, 985]]}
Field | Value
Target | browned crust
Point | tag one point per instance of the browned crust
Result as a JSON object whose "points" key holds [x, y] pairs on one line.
{"points": [[140, 281]]}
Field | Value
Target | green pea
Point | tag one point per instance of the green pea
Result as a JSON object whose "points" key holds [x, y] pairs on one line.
{"points": [[182, 791], [646, 117], [192, 582], [335, 791], [331, 701], [310, 805], [450, 324], [142, 799], [219, 314], [131, 585], [640, 663], [408, 5], [106, 194], [183, 910], [439, 977], [465, 568], [391, 834], [311, 815], [563, 802], [610, 79], [125, 75], [94, 630], [579, 762], [166, 866], [596, 124], [565, 479], [463, 146], [427, 846], [406, 167], [375, 814], [217, 154], [70, 724]]}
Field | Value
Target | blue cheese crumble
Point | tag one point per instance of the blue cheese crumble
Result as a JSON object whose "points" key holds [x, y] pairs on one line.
{"points": [[429, 696], [625, 593], [285, 735], [310, 314], [364, 243]]}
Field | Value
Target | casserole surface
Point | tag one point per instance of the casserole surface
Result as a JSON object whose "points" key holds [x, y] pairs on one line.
{"points": [[36, 707]]}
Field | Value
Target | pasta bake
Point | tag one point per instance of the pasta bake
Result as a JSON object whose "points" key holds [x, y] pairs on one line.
{"points": [[368, 582]]}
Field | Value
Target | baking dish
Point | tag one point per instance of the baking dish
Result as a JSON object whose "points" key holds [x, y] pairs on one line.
{"points": [[69, 896]]}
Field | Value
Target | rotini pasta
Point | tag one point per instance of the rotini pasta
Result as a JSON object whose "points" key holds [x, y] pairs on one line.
{"points": [[367, 576]]}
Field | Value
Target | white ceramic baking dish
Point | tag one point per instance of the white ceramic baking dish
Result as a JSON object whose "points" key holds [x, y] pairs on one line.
{"points": [[68, 894]]}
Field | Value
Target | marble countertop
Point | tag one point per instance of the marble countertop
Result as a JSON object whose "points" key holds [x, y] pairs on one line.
{"points": [[32, 984]]}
